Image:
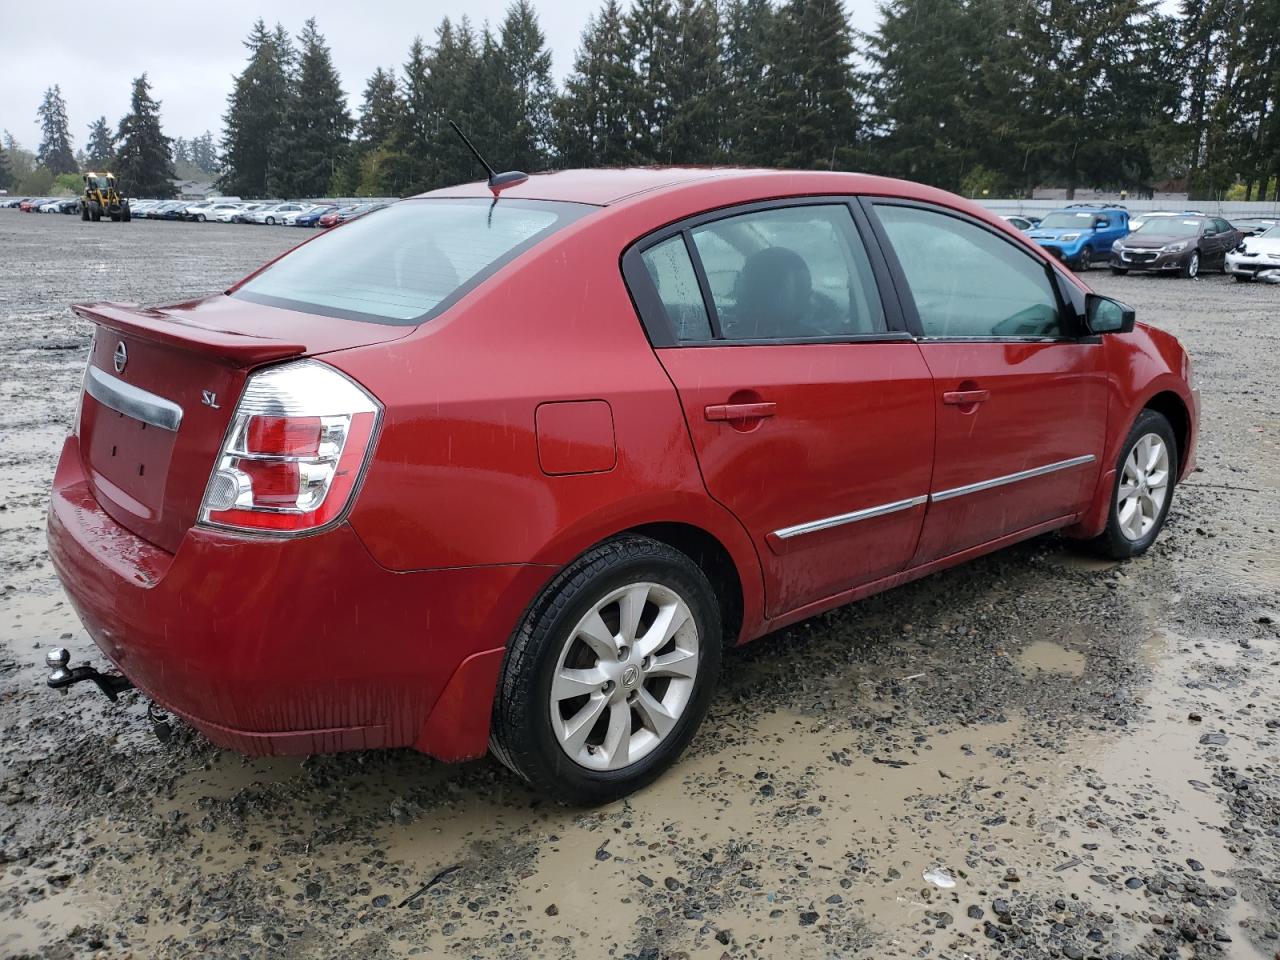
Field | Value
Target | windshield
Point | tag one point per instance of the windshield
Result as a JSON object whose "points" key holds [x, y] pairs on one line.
{"points": [[1074, 220], [409, 261], [1169, 227]]}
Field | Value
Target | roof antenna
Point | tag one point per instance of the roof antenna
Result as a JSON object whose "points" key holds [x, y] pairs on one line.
{"points": [[496, 180]]}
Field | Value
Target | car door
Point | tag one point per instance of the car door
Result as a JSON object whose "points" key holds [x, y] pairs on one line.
{"points": [[1225, 238], [808, 403], [1020, 396]]}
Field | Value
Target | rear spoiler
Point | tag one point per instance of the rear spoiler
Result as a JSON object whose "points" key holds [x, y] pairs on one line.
{"points": [[240, 349]]}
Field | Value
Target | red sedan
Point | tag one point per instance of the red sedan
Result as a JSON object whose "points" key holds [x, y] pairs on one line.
{"points": [[509, 469]]}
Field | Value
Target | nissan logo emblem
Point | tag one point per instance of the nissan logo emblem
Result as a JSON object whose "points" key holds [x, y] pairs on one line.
{"points": [[122, 357]]}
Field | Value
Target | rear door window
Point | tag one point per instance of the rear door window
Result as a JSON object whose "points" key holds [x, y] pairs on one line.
{"points": [[789, 273], [408, 262]]}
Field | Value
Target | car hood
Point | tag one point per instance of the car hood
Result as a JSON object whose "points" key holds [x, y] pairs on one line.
{"points": [[1269, 246]]}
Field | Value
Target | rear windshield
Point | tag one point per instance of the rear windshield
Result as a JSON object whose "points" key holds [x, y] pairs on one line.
{"points": [[408, 262]]}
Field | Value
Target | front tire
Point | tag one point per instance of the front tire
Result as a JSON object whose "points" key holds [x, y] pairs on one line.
{"points": [[1241, 278], [1191, 266], [1085, 261], [1143, 489], [1119, 271], [609, 675]]}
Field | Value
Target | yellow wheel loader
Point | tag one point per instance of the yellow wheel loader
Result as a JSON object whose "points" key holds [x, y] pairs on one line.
{"points": [[102, 199]]}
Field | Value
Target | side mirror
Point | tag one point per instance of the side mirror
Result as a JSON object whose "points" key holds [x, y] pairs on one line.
{"points": [[1104, 315]]}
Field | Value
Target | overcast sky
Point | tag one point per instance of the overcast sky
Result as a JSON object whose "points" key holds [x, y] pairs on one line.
{"points": [[191, 52]]}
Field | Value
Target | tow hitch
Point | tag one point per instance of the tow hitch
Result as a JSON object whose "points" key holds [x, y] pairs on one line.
{"points": [[112, 684]]}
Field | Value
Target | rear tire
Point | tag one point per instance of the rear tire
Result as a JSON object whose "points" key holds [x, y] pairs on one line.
{"points": [[84, 212], [1143, 489], [639, 697], [126, 214], [1241, 278], [199, 218]]}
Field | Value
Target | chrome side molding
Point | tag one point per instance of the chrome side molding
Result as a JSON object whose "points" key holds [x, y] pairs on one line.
{"points": [[1011, 478], [132, 401], [827, 523]]}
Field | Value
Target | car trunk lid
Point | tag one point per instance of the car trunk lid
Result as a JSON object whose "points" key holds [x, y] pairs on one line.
{"points": [[160, 389]]}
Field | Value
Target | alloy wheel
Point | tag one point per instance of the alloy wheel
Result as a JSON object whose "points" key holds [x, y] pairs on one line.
{"points": [[1193, 265], [624, 677], [1144, 485]]}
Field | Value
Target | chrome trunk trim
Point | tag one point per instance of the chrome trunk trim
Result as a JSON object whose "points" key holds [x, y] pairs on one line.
{"points": [[132, 401]]}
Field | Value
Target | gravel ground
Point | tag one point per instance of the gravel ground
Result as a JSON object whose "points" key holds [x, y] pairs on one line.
{"points": [[1035, 755]]}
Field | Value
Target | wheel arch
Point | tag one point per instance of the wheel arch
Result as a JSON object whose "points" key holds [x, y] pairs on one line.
{"points": [[716, 562], [1173, 408]]}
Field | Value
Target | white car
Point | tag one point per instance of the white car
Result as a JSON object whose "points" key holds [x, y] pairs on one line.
{"points": [[1257, 258], [221, 212], [51, 206], [274, 213]]}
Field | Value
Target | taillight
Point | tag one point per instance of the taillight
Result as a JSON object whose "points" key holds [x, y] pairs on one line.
{"points": [[294, 452]]}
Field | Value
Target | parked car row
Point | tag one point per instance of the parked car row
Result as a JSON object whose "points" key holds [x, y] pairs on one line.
{"points": [[268, 213], [294, 213], [42, 204], [1160, 241]]}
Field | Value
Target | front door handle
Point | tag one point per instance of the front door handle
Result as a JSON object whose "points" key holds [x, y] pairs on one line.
{"points": [[964, 398], [740, 411]]}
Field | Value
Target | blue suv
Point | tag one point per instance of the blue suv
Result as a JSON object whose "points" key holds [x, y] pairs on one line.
{"points": [[1080, 233]]}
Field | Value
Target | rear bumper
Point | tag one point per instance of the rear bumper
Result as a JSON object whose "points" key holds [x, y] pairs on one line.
{"points": [[290, 646]]}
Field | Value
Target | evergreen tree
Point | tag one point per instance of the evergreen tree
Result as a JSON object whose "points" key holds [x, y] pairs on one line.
{"points": [[317, 123], [6, 174], [406, 166], [809, 93], [144, 166], [745, 61], [593, 113], [695, 85], [1080, 127], [523, 92], [649, 31], [255, 113], [54, 153], [101, 151], [376, 126], [203, 153]]}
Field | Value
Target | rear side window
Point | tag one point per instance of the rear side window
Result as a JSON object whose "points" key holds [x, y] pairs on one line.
{"points": [[409, 262], [672, 274], [967, 281]]}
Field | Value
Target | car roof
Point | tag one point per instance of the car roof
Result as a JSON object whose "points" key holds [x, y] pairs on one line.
{"points": [[599, 186], [610, 186]]}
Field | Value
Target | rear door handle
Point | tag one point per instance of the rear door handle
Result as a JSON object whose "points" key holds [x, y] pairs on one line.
{"points": [[740, 411], [962, 398]]}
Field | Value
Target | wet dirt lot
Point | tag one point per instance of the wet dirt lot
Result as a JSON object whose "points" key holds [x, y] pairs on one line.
{"points": [[1035, 755]]}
